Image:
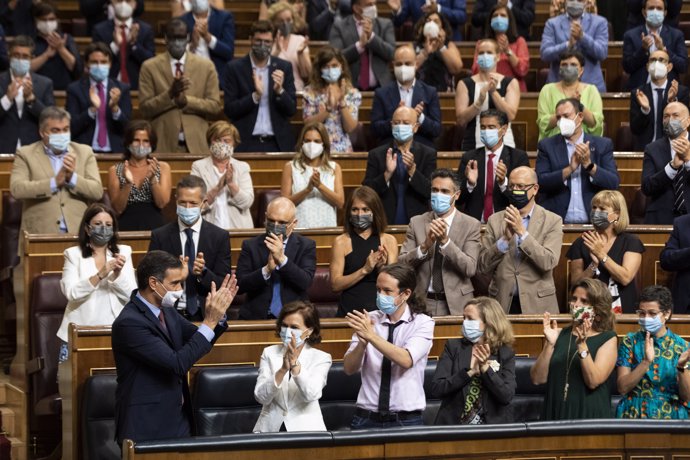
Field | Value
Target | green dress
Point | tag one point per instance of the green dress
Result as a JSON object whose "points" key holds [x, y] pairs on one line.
{"points": [[581, 402]]}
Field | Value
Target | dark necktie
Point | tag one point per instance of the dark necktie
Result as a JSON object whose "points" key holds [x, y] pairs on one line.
{"points": [[161, 320], [489, 192], [385, 389], [401, 179], [102, 138], [189, 285], [437, 270], [364, 70], [678, 191], [658, 125], [124, 76]]}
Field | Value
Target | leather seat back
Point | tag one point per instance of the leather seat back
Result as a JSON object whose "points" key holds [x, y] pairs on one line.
{"points": [[98, 418], [321, 294], [529, 398]]}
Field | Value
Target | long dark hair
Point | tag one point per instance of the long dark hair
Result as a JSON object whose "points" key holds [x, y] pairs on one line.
{"points": [[511, 33], [84, 240], [418, 31], [407, 279], [370, 198], [323, 57]]}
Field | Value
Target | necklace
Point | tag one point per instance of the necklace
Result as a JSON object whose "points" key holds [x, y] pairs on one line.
{"points": [[569, 364]]}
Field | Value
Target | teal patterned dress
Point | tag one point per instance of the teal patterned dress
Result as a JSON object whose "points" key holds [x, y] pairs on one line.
{"points": [[657, 394]]}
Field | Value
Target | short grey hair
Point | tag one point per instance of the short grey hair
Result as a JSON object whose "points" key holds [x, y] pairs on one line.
{"points": [[52, 113]]}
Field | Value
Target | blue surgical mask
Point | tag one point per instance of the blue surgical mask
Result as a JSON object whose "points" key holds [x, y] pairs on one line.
{"points": [[651, 325], [286, 334], [331, 74], [59, 141], [489, 137], [99, 72], [188, 215], [441, 203], [386, 303], [402, 133], [486, 61], [499, 24], [20, 67], [655, 18], [471, 330]]}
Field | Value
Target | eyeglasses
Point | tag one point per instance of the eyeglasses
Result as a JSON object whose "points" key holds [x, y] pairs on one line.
{"points": [[643, 313], [520, 186]]}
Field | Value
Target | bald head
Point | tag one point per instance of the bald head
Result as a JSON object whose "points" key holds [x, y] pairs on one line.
{"points": [[523, 174], [281, 206], [404, 54], [406, 115], [676, 110]]}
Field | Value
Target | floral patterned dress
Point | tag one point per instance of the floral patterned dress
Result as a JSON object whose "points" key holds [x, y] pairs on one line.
{"points": [[340, 141], [657, 394]]}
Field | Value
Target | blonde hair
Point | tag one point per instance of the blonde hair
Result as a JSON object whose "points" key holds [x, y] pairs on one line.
{"points": [[498, 330], [220, 129], [278, 7], [489, 40], [299, 160], [615, 200]]}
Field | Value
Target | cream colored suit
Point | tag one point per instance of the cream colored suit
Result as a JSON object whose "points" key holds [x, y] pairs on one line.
{"points": [[296, 401], [203, 101], [459, 257], [41, 208], [533, 271]]}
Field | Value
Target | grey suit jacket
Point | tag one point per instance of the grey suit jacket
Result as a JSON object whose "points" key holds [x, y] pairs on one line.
{"points": [[533, 271], [459, 257], [382, 46], [24, 128]]}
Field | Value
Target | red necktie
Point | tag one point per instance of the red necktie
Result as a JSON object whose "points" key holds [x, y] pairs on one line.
{"points": [[364, 70], [489, 191], [124, 76], [161, 319], [102, 122]]}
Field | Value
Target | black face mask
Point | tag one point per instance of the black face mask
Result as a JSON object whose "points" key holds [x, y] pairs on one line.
{"points": [[518, 198]]}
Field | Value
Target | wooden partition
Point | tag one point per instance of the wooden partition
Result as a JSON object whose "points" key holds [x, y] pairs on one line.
{"points": [[244, 341]]}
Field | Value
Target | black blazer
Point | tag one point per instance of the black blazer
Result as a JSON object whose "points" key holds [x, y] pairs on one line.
{"points": [[642, 125], [676, 258], [635, 57], [55, 68], [143, 49], [635, 17], [386, 101], [451, 381], [240, 108], [83, 126], [152, 368], [657, 185], [418, 190], [4, 57], [295, 277], [473, 203], [221, 24], [25, 128], [214, 242]]}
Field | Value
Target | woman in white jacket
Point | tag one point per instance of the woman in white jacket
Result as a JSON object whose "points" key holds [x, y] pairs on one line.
{"points": [[97, 280], [293, 374]]}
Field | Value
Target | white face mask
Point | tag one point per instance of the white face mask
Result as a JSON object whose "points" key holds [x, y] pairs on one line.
{"points": [[170, 298], [567, 126], [431, 29], [369, 12], [312, 149], [657, 70], [404, 73], [46, 27], [123, 10]]}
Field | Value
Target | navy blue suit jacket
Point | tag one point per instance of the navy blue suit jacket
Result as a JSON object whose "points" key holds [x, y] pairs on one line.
{"points": [[418, 190], [635, 8], [94, 11], [25, 128], [635, 56], [676, 258], [214, 242], [240, 108], [642, 125], [152, 399], [552, 157], [83, 126], [295, 276], [386, 100], [4, 57], [143, 49], [221, 24], [657, 185]]}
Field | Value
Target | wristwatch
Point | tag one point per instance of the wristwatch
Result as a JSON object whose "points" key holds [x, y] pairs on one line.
{"points": [[584, 354], [603, 261]]}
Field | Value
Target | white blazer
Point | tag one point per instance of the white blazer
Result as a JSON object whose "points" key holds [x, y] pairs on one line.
{"points": [[89, 305], [235, 211], [296, 401]]}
